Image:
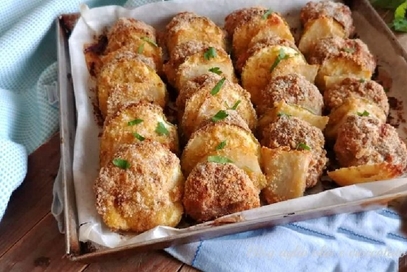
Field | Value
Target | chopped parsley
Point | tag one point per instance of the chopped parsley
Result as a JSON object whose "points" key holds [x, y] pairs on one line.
{"points": [[267, 14], [362, 80], [281, 56], [138, 136], [219, 159], [218, 86], [283, 114], [135, 122], [122, 164], [221, 145], [210, 53], [140, 48], [161, 129], [215, 70], [399, 7], [220, 115], [364, 113], [146, 39], [349, 50], [302, 146], [234, 107]]}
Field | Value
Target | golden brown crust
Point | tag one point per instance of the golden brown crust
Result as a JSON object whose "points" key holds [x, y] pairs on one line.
{"points": [[338, 11], [188, 26], [366, 140], [126, 31], [240, 17], [213, 190], [335, 95], [294, 132], [115, 75], [118, 131], [146, 194], [337, 47], [293, 89]]}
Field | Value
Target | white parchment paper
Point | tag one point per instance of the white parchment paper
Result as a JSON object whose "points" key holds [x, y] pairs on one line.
{"points": [[86, 148]]}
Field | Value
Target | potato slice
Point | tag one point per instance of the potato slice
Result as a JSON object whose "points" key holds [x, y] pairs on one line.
{"points": [[286, 173], [365, 173], [197, 64], [351, 106], [282, 108], [333, 80], [135, 123], [202, 105], [315, 30], [188, 26], [293, 66], [205, 142], [115, 74], [258, 68], [257, 27]]}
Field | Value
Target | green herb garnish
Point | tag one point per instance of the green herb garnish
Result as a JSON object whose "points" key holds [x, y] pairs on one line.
{"points": [[219, 159], [234, 107], [122, 164], [221, 145], [161, 129], [140, 48], [399, 7], [220, 115], [218, 86], [267, 14], [364, 113], [349, 50], [146, 39], [210, 53], [138, 136], [302, 146], [215, 70], [135, 122], [362, 80], [281, 56]]}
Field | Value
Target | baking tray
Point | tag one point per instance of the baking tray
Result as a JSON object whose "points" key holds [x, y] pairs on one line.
{"points": [[87, 252]]}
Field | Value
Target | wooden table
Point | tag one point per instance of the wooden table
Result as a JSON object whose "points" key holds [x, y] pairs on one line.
{"points": [[29, 236]]}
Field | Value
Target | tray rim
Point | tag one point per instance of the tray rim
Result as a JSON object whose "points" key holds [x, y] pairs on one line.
{"points": [[74, 248]]}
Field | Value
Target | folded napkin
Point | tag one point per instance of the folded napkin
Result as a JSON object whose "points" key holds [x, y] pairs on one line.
{"points": [[29, 116]]}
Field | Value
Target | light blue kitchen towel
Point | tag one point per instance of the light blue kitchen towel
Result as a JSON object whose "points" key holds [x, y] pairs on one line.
{"points": [[368, 241]]}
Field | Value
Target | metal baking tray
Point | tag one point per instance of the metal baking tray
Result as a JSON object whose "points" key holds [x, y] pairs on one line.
{"points": [[86, 252]]}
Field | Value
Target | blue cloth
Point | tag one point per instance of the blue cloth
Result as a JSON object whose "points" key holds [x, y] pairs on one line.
{"points": [[29, 116]]}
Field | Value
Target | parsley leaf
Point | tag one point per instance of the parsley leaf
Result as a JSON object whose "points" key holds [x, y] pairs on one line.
{"points": [[364, 113], [215, 70], [161, 129], [399, 22], [138, 136], [210, 53], [267, 14], [134, 122], [218, 86], [146, 39], [140, 48], [122, 164], [234, 107], [349, 50], [362, 80], [219, 159], [221, 145], [281, 56], [220, 115], [302, 146]]}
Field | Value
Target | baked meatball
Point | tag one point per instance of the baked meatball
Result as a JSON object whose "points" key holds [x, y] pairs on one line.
{"points": [[335, 95], [338, 11], [366, 140], [213, 190], [293, 89], [297, 135], [140, 188]]}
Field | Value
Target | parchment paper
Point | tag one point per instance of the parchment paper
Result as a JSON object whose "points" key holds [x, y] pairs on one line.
{"points": [[86, 149]]}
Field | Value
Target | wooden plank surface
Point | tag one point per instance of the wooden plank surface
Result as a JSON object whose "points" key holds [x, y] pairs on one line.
{"points": [[29, 236]]}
